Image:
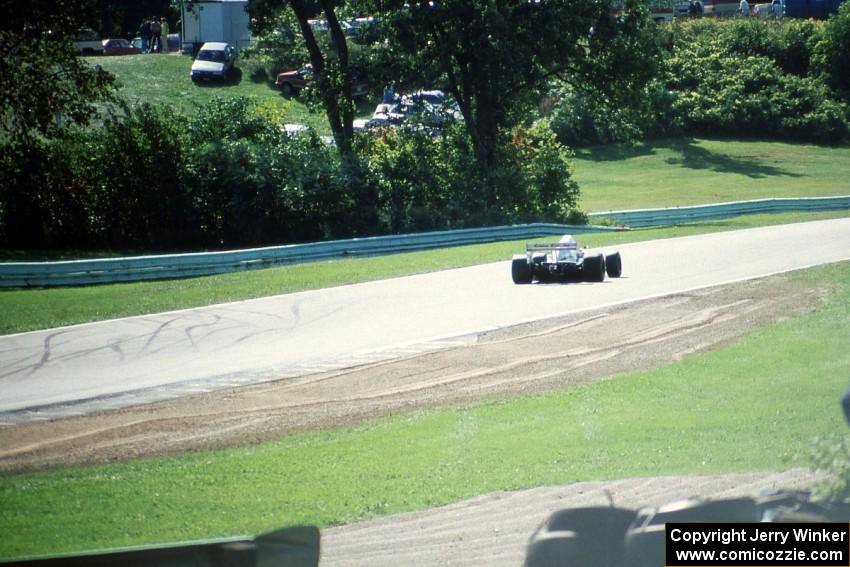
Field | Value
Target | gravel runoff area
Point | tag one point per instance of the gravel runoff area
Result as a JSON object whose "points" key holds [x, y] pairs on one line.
{"points": [[494, 529], [491, 529]]}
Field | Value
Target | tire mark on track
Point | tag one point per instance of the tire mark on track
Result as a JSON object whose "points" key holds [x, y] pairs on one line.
{"points": [[530, 358]]}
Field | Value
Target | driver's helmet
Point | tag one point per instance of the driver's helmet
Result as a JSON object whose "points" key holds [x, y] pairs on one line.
{"points": [[565, 254]]}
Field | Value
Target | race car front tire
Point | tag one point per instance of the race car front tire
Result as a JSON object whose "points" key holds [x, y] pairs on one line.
{"points": [[614, 265], [520, 270]]}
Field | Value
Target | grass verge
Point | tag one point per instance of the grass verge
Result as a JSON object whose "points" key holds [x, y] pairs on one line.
{"points": [[677, 172], [754, 405], [30, 309]]}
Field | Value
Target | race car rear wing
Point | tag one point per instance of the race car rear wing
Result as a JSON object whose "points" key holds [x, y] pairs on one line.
{"points": [[544, 247]]}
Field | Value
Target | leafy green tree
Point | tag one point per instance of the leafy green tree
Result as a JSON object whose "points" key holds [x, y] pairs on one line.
{"points": [[497, 57], [137, 201], [331, 70], [43, 85], [44, 91], [831, 52]]}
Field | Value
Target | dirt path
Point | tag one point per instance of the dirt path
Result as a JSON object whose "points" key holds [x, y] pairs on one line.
{"points": [[541, 356]]}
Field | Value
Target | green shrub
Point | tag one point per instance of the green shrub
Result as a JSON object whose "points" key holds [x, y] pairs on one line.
{"points": [[831, 57], [252, 184], [582, 119], [137, 199], [45, 191], [545, 190], [428, 182], [723, 92], [831, 456], [748, 77], [422, 181], [797, 45]]}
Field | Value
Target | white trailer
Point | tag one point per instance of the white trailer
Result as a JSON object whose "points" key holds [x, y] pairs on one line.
{"points": [[214, 20]]}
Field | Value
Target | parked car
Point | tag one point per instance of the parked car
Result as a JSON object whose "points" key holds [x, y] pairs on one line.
{"points": [[214, 62], [119, 47], [291, 82], [88, 42], [431, 109], [296, 130], [387, 113], [173, 42]]}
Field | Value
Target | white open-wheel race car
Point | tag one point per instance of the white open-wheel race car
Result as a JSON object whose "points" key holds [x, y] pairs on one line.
{"points": [[564, 260]]}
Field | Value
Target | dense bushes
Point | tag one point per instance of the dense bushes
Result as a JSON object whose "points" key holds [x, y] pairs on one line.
{"points": [[746, 78], [731, 94], [830, 53], [149, 179], [44, 192], [417, 178]]}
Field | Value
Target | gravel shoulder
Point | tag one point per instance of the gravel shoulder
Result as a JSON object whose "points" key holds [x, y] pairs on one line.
{"points": [[494, 529], [537, 357], [547, 355]]}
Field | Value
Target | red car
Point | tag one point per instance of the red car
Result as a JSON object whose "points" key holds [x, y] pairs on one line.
{"points": [[291, 82], [119, 47]]}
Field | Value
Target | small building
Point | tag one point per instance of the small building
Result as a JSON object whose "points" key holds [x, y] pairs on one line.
{"points": [[214, 20]]}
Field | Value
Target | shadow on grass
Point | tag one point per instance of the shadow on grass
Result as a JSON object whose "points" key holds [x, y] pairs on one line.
{"points": [[696, 157], [616, 152], [690, 155], [233, 79]]}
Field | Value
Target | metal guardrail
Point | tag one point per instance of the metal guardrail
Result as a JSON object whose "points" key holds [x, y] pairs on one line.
{"points": [[113, 270], [640, 218]]}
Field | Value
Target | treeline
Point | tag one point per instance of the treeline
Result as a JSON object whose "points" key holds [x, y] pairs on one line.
{"points": [[148, 179], [787, 80], [145, 178]]}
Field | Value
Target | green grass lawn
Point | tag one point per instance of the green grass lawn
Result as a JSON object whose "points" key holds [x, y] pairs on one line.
{"points": [[754, 405], [666, 173], [164, 79]]}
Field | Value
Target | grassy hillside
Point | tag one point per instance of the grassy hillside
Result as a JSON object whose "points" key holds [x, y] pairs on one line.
{"points": [[164, 79], [667, 173]]}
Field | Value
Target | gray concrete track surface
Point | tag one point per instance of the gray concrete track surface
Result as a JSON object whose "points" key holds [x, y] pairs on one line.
{"points": [[163, 355]]}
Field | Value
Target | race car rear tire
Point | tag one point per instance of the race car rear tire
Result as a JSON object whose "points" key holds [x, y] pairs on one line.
{"points": [[614, 265], [594, 268], [520, 270]]}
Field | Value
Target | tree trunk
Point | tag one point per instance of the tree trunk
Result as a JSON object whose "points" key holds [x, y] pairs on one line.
{"points": [[340, 119]]}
